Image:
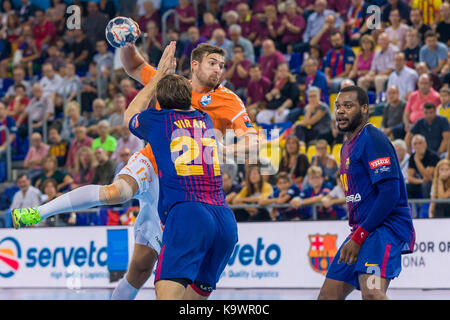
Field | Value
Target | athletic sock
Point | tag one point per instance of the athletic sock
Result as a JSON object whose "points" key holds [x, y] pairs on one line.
{"points": [[124, 291], [81, 198]]}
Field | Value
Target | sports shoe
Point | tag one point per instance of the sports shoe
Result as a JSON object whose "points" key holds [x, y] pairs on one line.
{"points": [[25, 217]]}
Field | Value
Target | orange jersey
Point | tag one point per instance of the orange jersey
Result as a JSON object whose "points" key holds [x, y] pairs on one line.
{"points": [[148, 153]]}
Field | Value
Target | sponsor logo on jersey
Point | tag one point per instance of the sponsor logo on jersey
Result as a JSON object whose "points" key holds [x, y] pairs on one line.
{"points": [[322, 250], [379, 162], [205, 100], [353, 198], [248, 123], [383, 169], [135, 122], [347, 163]]}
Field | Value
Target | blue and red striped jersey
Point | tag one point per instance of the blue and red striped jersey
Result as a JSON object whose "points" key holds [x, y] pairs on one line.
{"points": [[185, 149]]}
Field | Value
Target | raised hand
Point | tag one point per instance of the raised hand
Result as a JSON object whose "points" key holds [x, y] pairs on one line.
{"points": [[168, 62]]}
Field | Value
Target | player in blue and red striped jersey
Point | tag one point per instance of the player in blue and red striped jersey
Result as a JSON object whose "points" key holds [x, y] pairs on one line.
{"points": [[379, 214], [200, 229]]}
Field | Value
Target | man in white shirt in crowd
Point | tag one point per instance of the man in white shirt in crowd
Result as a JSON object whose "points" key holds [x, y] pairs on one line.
{"points": [[403, 77]]}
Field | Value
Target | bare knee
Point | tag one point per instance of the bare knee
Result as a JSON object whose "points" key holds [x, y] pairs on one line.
{"points": [[374, 294], [327, 294]]}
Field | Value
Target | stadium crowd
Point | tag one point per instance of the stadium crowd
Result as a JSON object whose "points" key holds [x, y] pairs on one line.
{"points": [[63, 93]]}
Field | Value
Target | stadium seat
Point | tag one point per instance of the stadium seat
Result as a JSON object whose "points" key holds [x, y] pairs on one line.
{"points": [[311, 151], [337, 152], [372, 97], [295, 62], [356, 50], [333, 97], [376, 121]]}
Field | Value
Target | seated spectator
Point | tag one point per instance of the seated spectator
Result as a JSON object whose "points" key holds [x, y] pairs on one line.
{"points": [[210, 24], [403, 157], [443, 27], [315, 78], [96, 116], [59, 148], [444, 108], [219, 39], [50, 171], [434, 128], [80, 50], [236, 38], [382, 66], [258, 8], [440, 190], [421, 169], [412, 47], [154, 43], [291, 26], [316, 123], [248, 22], [339, 62], [268, 25], [27, 52], [111, 93], [104, 58], [9, 123], [392, 122], [316, 53], [18, 105], [50, 191], [284, 192], [184, 66], [128, 90], [361, 66], [84, 169], [401, 6], [186, 16], [403, 77], [105, 141], [72, 119], [126, 141], [313, 194], [231, 5], [71, 84], [150, 14], [282, 97], [33, 160], [81, 140], [44, 31], [51, 82], [230, 188], [355, 26], [397, 31], [421, 68], [257, 88], [19, 78], [115, 119], [89, 89], [6, 10], [316, 20], [94, 23], [55, 57], [270, 59], [254, 190], [104, 172], [416, 100], [325, 161], [335, 200], [323, 38], [27, 196], [124, 155], [237, 71], [293, 161], [433, 53], [429, 11]]}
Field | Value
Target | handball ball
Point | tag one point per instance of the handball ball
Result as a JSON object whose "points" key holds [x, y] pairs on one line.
{"points": [[121, 32]]}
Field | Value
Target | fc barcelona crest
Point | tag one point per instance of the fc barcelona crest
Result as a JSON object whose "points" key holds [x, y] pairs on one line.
{"points": [[322, 250]]}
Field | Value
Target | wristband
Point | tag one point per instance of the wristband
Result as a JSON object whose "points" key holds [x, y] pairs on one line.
{"points": [[360, 235]]}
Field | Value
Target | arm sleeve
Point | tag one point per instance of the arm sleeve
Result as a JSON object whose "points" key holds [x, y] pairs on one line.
{"points": [[147, 73]]}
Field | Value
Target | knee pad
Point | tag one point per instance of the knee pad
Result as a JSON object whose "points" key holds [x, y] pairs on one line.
{"points": [[117, 192]]}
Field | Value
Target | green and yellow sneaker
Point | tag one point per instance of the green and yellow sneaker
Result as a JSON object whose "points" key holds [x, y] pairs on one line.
{"points": [[25, 217]]}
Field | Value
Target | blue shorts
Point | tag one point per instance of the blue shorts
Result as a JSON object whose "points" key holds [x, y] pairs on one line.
{"points": [[197, 242], [380, 254]]}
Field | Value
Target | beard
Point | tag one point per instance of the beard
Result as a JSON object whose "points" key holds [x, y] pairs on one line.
{"points": [[352, 124], [211, 81]]}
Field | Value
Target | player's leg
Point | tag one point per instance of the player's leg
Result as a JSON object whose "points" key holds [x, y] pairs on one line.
{"points": [[335, 290], [195, 292], [173, 289], [139, 270], [373, 287], [121, 190]]}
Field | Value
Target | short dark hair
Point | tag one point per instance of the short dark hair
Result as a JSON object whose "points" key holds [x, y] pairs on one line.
{"points": [[20, 176], [335, 32], [174, 92], [205, 49], [254, 65], [283, 176], [429, 105], [238, 46], [430, 33], [361, 94], [19, 85]]}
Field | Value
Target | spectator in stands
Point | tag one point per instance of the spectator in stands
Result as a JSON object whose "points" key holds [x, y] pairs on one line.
{"points": [[403, 77], [94, 23], [104, 172], [40, 108], [434, 53], [27, 196], [325, 161], [257, 88], [128, 90], [316, 123], [400, 5], [429, 10], [51, 82], [81, 140], [444, 108], [104, 58], [116, 117], [10, 124], [392, 122], [313, 194], [81, 49], [184, 65], [403, 156], [105, 141], [50, 171], [230, 18], [315, 78], [382, 66], [248, 22], [71, 84], [19, 78], [34, 158], [44, 31], [126, 141], [89, 90], [55, 57], [59, 148], [27, 53], [18, 105], [335, 200], [293, 161], [237, 71], [231, 5], [268, 25], [236, 38], [282, 97], [292, 26], [72, 119], [230, 187], [363, 62], [57, 16], [412, 47], [421, 169], [7, 9], [434, 128], [422, 68], [186, 16], [270, 59], [219, 39], [323, 38], [443, 27], [254, 190], [84, 169], [316, 20], [355, 25], [97, 115], [154, 43], [397, 31], [26, 12], [440, 190], [124, 156], [283, 193], [416, 100], [50, 192], [150, 14], [339, 62], [210, 24]]}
